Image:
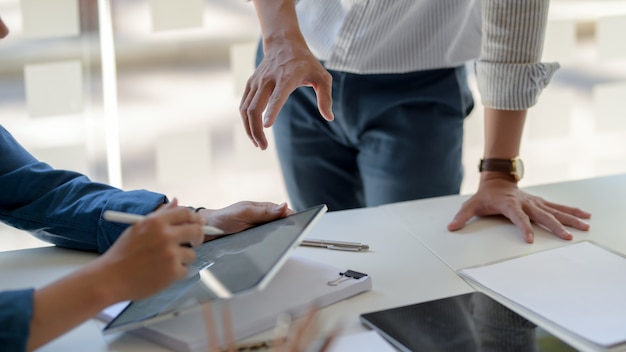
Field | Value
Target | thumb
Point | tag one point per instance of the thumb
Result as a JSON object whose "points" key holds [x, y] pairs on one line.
{"points": [[459, 221], [324, 101]]}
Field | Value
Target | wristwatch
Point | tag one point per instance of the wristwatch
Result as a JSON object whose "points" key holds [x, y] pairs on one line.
{"points": [[514, 167]]}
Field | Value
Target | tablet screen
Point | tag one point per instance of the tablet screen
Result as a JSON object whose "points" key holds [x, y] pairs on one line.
{"points": [[469, 322], [224, 267]]}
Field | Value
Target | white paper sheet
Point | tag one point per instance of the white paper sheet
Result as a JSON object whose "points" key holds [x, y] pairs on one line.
{"points": [[581, 287]]}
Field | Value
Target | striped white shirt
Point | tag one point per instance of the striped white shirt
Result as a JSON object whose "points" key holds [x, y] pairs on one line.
{"points": [[504, 37]]}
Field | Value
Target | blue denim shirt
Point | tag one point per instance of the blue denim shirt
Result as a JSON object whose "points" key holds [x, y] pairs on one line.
{"points": [[58, 206]]}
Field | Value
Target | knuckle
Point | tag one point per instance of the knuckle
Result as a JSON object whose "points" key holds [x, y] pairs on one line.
{"points": [[265, 81], [252, 110], [327, 76], [243, 109], [169, 255], [190, 257]]}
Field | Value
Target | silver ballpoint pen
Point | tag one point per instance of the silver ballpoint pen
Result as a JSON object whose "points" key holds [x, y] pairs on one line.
{"points": [[337, 245]]}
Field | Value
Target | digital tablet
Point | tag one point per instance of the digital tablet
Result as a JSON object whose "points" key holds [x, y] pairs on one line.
{"points": [[225, 267], [468, 322]]}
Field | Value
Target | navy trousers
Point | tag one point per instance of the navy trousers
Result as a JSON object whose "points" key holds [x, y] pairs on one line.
{"points": [[395, 137]]}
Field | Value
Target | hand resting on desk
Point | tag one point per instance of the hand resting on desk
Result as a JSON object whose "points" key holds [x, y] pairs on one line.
{"points": [[501, 196]]}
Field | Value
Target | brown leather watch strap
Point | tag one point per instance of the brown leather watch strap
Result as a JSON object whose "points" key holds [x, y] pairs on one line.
{"points": [[513, 167], [500, 165]]}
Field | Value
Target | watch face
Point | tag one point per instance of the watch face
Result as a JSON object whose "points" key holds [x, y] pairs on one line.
{"points": [[518, 168]]}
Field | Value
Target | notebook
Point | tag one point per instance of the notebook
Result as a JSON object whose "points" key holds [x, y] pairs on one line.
{"points": [[225, 267]]}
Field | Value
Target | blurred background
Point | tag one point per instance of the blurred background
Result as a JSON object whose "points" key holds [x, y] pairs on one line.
{"points": [[166, 118]]}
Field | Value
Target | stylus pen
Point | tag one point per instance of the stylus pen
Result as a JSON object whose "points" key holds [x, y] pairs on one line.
{"points": [[338, 245], [127, 218]]}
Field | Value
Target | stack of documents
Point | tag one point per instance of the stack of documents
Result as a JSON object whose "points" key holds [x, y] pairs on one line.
{"points": [[580, 288], [298, 284]]}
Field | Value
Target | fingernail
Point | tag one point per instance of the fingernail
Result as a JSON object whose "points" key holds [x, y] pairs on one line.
{"points": [[280, 207]]}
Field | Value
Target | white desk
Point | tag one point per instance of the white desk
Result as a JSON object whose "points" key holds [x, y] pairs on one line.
{"points": [[491, 239], [402, 270], [488, 240], [413, 257]]}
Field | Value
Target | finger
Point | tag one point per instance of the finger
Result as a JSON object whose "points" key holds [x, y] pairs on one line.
{"points": [[462, 217], [181, 272], [281, 330], [521, 220], [207, 310], [283, 209], [4, 30], [171, 205], [550, 222], [188, 234], [270, 211], [176, 215], [255, 114], [228, 326], [568, 210], [323, 91], [567, 219], [306, 330], [186, 256], [264, 213], [329, 340], [277, 100], [243, 110], [208, 238]]}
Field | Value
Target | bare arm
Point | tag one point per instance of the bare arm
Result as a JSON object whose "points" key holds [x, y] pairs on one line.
{"points": [[499, 194], [510, 80]]}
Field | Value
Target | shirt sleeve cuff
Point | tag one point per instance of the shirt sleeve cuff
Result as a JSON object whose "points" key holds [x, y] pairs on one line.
{"points": [[135, 202], [16, 312], [506, 86]]}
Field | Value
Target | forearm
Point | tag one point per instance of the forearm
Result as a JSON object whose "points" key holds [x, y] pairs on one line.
{"points": [[503, 135], [66, 303], [278, 21]]}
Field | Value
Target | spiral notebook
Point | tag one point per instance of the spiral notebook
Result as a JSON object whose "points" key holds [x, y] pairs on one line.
{"points": [[299, 282]]}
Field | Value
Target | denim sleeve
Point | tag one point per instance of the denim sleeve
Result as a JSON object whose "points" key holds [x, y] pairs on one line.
{"points": [[16, 312], [59, 206]]}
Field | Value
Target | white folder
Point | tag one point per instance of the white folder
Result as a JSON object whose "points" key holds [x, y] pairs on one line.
{"points": [[298, 284]]}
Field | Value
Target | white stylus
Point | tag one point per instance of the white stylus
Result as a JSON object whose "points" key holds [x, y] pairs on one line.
{"points": [[127, 218]]}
